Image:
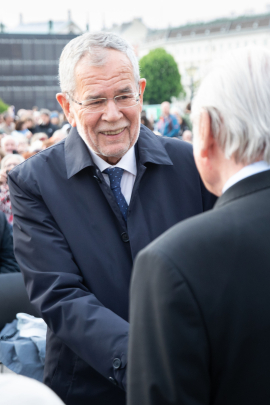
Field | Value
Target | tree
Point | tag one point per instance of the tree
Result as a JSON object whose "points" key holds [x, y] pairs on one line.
{"points": [[163, 78], [3, 106]]}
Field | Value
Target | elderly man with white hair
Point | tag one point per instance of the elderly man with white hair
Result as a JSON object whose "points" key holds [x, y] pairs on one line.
{"points": [[200, 302], [84, 207]]}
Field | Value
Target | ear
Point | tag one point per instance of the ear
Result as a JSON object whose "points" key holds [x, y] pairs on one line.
{"points": [[142, 84], [207, 141], [65, 104]]}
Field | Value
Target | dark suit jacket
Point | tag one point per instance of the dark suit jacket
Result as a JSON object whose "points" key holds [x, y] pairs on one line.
{"points": [[200, 306], [76, 253]]}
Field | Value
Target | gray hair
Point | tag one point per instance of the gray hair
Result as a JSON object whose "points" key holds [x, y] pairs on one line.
{"points": [[19, 158], [236, 95], [94, 45]]}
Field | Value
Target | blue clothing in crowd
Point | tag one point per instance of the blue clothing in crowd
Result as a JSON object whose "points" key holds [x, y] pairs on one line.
{"points": [[168, 126]]}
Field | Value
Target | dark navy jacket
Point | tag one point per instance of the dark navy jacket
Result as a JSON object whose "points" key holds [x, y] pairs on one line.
{"points": [[76, 253]]}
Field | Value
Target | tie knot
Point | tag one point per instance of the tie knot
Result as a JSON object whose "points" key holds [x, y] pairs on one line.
{"points": [[115, 175]]}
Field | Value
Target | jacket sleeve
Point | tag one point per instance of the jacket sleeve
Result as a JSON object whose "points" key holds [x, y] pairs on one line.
{"points": [[168, 347], [8, 262], [56, 287]]}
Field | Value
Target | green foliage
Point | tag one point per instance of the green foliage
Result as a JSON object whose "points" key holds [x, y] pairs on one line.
{"points": [[163, 78], [3, 106]]}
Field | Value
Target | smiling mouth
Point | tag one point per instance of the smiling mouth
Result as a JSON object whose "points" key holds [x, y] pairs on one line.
{"points": [[116, 132]]}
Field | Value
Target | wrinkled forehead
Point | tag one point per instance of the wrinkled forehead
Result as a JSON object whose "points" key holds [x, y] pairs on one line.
{"points": [[112, 69]]}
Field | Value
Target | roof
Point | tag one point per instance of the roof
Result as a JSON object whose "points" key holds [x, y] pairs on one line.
{"points": [[48, 27], [219, 26]]}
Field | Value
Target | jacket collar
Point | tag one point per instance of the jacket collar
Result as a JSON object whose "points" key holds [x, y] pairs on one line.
{"points": [[77, 155], [249, 185]]}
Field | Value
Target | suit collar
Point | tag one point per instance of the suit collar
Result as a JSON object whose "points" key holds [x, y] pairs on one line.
{"points": [[249, 185], [77, 155], [150, 148]]}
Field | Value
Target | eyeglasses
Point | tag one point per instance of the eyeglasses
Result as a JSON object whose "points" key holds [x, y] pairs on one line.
{"points": [[95, 105]]}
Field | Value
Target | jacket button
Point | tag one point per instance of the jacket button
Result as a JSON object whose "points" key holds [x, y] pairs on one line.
{"points": [[112, 380], [116, 364], [124, 237]]}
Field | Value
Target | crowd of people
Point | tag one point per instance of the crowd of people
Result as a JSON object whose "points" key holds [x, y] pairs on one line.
{"points": [[173, 122], [22, 135]]}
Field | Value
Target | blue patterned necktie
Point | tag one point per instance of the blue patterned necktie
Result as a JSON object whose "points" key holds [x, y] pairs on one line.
{"points": [[115, 175]]}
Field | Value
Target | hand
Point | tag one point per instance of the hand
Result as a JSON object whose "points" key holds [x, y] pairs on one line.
{"points": [[3, 177]]}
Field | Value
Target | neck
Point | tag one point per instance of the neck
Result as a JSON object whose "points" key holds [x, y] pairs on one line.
{"points": [[111, 160]]}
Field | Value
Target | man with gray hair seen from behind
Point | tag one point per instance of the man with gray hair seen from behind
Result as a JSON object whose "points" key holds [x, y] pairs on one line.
{"points": [[84, 207], [200, 302]]}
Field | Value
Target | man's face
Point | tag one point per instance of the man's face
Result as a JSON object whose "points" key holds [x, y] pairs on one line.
{"points": [[113, 132], [165, 109], [9, 146], [11, 163], [9, 120]]}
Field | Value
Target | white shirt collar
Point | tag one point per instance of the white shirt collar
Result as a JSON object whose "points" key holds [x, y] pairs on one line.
{"points": [[127, 162], [247, 171]]}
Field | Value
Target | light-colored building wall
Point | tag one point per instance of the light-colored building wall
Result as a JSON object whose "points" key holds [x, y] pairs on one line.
{"points": [[194, 53]]}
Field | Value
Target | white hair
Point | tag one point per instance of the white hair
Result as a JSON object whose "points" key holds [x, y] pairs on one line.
{"points": [[94, 45], [236, 95], [19, 158], [7, 138]]}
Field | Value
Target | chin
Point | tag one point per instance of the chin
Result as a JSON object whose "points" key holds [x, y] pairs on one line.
{"points": [[116, 152]]}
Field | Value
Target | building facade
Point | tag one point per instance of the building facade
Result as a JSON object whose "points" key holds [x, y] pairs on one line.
{"points": [[29, 69], [195, 46]]}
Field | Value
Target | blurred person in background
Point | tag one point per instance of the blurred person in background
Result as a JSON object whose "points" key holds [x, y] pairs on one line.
{"points": [[7, 163], [8, 144], [57, 137], [8, 125], [45, 124], [145, 121], [36, 146], [21, 128], [30, 123], [183, 126], [2, 154], [167, 124], [8, 262], [55, 119], [39, 136], [22, 144], [187, 136]]}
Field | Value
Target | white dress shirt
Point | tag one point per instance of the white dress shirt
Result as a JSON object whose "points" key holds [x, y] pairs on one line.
{"points": [[247, 171], [128, 163]]}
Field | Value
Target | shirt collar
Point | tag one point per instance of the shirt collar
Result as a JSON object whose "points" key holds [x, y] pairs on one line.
{"points": [[127, 162], [77, 156], [247, 171]]}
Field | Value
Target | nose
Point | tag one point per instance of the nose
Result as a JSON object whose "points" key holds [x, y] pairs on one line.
{"points": [[112, 112]]}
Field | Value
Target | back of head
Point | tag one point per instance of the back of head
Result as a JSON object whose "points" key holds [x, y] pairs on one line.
{"points": [[236, 95], [94, 45]]}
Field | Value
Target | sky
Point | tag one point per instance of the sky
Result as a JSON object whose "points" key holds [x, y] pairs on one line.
{"points": [[155, 14]]}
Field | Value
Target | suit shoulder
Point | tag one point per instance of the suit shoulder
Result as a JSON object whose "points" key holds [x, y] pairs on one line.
{"points": [[194, 235], [36, 161], [175, 146]]}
